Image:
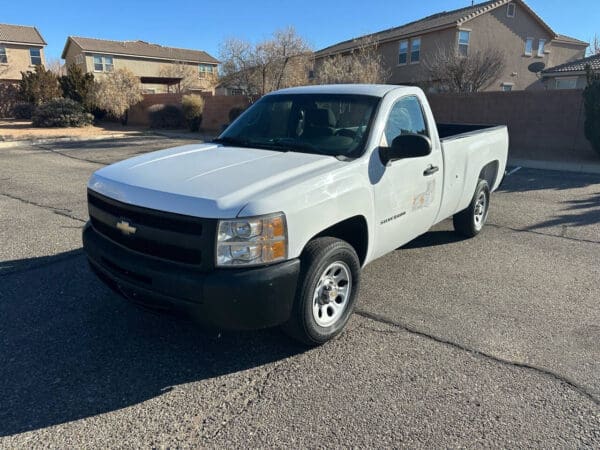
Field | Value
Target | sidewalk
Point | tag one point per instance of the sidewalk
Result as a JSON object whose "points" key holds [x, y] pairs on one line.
{"points": [[561, 166]]}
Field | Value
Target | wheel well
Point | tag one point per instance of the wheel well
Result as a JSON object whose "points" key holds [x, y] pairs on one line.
{"points": [[354, 231], [489, 173]]}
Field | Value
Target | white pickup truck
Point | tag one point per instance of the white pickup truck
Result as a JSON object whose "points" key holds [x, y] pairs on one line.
{"points": [[271, 223]]}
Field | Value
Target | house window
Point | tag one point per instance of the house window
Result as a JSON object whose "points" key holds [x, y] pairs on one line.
{"points": [[415, 50], [3, 58], [403, 52], [103, 63], [235, 91], [541, 47], [463, 42], [36, 56], [507, 87], [566, 83], [205, 70], [510, 10], [529, 46], [79, 59]]}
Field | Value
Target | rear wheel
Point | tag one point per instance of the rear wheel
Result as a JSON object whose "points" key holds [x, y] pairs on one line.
{"points": [[469, 222], [329, 282]]}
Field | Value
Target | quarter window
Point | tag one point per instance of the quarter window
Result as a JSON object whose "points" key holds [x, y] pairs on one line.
{"points": [[415, 50], [3, 58], [541, 47], [403, 52], [103, 63], [463, 42], [406, 117], [529, 46], [36, 56]]}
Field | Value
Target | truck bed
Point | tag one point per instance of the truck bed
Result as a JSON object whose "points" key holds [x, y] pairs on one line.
{"points": [[466, 149], [451, 130]]}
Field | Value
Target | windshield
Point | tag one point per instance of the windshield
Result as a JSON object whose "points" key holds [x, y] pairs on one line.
{"points": [[326, 124]]}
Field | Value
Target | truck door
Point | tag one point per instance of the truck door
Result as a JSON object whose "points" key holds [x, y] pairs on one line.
{"points": [[408, 194]]}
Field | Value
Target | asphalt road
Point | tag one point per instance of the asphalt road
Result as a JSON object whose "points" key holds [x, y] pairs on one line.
{"points": [[493, 341]]}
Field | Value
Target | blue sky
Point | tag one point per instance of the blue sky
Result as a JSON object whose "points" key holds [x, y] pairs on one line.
{"points": [[204, 24]]}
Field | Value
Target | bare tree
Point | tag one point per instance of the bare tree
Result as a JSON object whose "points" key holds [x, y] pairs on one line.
{"points": [[116, 92], [189, 76], [454, 72], [55, 66], [278, 62], [363, 64], [594, 48]]}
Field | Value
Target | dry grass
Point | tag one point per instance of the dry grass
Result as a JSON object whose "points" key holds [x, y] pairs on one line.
{"points": [[16, 130]]}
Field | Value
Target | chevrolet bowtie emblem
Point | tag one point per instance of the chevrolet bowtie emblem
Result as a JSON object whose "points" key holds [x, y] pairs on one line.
{"points": [[126, 228]]}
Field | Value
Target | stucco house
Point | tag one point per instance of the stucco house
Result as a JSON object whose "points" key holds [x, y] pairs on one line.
{"points": [[510, 25], [571, 75], [21, 49], [160, 68]]}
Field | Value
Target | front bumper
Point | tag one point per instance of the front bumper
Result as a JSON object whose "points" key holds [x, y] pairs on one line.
{"points": [[241, 299]]}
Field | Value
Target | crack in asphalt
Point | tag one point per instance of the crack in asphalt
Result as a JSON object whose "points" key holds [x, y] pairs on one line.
{"points": [[539, 233], [56, 152], [59, 211], [481, 354]]}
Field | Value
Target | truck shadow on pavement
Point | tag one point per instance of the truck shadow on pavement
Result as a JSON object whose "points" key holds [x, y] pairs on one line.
{"points": [[72, 349]]}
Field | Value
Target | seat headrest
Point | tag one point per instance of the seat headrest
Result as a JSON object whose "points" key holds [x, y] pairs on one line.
{"points": [[320, 117]]}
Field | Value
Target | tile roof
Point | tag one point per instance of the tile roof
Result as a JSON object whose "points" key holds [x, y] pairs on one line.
{"points": [[578, 65], [441, 20], [21, 34], [141, 49]]}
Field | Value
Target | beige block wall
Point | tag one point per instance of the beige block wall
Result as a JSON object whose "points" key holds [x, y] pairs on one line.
{"points": [[18, 61]]}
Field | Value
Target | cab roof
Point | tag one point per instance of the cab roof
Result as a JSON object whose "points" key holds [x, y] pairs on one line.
{"points": [[375, 90]]}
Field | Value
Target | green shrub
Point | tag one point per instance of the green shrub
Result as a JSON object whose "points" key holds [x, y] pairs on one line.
{"points": [[168, 116], [9, 97], [193, 107], [78, 86], [61, 112], [591, 96], [23, 111], [39, 86]]}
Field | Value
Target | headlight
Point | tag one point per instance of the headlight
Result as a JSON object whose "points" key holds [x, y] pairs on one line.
{"points": [[252, 241]]}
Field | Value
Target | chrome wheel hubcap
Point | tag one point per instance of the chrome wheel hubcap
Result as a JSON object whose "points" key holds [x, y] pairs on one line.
{"points": [[480, 210], [331, 295]]}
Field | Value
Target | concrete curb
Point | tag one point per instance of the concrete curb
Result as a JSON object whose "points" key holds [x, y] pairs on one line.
{"points": [[175, 135], [578, 167], [9, 144]]}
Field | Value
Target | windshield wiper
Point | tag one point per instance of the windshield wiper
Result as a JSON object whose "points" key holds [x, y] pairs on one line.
{"points": [[295, 145], [232, 141]]}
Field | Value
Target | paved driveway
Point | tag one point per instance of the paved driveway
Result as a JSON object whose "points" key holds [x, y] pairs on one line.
{"points": [[491, 341]]}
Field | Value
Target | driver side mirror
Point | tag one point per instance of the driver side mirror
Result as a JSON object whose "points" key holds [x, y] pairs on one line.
{"points": [[405, 146]]}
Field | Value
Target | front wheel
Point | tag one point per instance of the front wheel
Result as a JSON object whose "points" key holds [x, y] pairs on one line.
{"points": [[469, 222], [329, 282]]}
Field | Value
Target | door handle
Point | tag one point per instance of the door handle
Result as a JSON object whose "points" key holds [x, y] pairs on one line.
{"points": [[430, 170]]}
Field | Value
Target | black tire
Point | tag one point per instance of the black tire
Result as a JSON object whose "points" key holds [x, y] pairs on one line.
{"points": [[319, 255], [470, 221]]}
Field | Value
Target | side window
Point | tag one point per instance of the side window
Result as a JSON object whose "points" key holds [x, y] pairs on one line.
{"points": [[406, 117]]}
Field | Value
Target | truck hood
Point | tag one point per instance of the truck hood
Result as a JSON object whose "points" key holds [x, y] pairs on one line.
{"points": [[205, 180]]}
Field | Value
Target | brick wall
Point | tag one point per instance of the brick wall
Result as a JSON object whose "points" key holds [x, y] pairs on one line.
{"points": [[138, 114], [542, 125], [216, 108]]}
